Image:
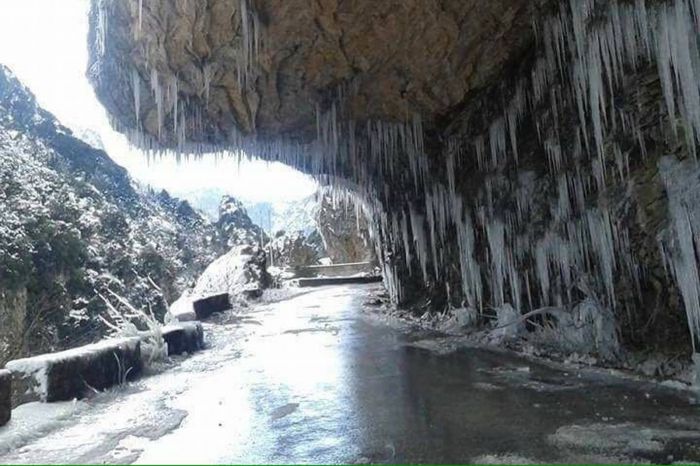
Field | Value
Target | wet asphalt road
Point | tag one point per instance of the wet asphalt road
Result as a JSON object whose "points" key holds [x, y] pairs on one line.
{"points": [[312, 379]]}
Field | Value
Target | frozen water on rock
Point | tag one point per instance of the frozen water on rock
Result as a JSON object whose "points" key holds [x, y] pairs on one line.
{"points": [[584, 51], [509, 323], [696, 371], [683, 187]]}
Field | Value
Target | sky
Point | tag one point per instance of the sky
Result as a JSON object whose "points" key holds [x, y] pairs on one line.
{"points": [[44, 42]]}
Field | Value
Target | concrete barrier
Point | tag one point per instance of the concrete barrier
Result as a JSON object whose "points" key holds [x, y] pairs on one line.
{"points": [[186, 337], [205, 307], [311, 282], [71, 374], [334, 270], [5, 396]]}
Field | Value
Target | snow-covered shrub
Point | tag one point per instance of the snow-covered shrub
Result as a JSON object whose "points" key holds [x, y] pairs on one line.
{"points": [[133, 322]]}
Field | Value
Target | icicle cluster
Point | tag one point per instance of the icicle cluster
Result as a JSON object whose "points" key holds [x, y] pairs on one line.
{"points": [[682, 182], [586, 50]]}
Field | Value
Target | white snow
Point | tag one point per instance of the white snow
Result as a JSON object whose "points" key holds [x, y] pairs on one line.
{"points": [[32, 420]]}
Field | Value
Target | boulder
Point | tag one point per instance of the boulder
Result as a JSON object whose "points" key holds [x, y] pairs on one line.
{"points": [[205, 307], [5, 396], [186, 337], [72, 374]]}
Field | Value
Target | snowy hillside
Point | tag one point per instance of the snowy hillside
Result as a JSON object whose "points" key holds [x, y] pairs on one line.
{"points": [[295, 215], [292, 216], [74, 226]]}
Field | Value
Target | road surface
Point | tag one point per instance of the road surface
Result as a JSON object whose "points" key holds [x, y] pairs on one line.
{"points": [[312, 379]]}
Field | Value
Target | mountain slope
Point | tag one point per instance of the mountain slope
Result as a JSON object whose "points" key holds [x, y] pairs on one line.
{"points": [[75, 228]]}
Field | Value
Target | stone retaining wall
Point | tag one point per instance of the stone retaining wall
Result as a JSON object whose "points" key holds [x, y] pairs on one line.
{"points": [[205, 307], [186, 337], [71, 374], [311, 282], [5, 396]]}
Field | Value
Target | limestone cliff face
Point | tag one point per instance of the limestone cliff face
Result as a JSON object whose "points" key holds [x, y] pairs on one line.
{"points": [[267, 66], [526, 153], [344, 231]]}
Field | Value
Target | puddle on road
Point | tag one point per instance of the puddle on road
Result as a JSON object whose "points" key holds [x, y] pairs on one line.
{"points": [[283, 411], [333, 330]]}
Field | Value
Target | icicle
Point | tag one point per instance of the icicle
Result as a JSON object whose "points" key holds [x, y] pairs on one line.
{"points": [[158, 96], [601, 236], [497, 139], [496, 237], [206, 76], [420, 241], [140, 28], [174, 92], [681, 181], [136, 88]]}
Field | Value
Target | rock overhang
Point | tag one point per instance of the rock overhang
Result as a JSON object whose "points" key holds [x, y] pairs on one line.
{"points": [[269, 75], [470, 180]]}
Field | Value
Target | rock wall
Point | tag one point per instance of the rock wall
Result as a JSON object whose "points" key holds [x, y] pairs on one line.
{"points": [[527, 155], [296, 249], [344, 231]]}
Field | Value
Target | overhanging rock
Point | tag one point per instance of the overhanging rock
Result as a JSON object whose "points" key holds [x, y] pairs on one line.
{"points": [[504, 152]]}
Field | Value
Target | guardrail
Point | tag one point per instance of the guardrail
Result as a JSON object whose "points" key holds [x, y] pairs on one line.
{"points": [[72, 374], [326, 281], [334, 270], [5, 396]]}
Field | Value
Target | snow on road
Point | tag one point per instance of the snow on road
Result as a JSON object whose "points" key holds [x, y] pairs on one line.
{"points": [[309, 379], [201, 401]]}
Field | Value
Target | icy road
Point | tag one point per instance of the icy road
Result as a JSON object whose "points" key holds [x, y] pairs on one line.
{"points": [[312, 379]]}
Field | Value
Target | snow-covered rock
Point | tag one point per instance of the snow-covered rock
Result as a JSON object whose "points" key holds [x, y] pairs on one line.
{"points": [[344, 231], [206, 306], [241, 273], [235, 225], [296, 248], [458, 319], [588, 328], [241, 269]]}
